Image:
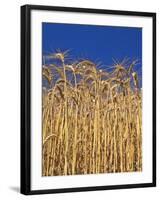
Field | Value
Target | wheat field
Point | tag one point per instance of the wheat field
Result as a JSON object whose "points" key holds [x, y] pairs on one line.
{"points": [[92, 118]]}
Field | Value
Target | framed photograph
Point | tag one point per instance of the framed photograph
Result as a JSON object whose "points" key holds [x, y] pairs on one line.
{"points": [[88, 99]]}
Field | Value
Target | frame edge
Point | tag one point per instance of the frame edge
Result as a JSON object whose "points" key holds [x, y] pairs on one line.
{"points": [[154, 99], [25, 101], [89, 10]]}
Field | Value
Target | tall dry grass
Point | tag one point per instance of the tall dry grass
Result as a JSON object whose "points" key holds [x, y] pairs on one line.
{"points": [[92, 119]]}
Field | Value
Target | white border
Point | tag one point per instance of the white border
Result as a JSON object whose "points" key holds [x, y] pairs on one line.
{"points": [[37, 181]]}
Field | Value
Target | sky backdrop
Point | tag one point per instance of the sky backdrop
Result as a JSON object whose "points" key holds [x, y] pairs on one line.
{"points": [[94, 42]]}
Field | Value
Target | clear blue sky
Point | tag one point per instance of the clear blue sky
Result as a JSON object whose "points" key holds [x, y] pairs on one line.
{"points": [[98, 43]]}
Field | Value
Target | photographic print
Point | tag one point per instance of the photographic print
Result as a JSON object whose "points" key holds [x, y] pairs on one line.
{"points": [[92, 99], [88, 99]]}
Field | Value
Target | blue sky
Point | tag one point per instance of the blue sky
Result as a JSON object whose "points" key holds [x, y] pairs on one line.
{"points": [[98, 43]]}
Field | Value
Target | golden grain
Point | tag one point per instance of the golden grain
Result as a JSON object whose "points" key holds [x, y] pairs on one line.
{"points": [[93, 123]]}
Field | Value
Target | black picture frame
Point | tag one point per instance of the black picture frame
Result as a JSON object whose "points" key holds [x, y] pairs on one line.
{"points": [[26, 85]]}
